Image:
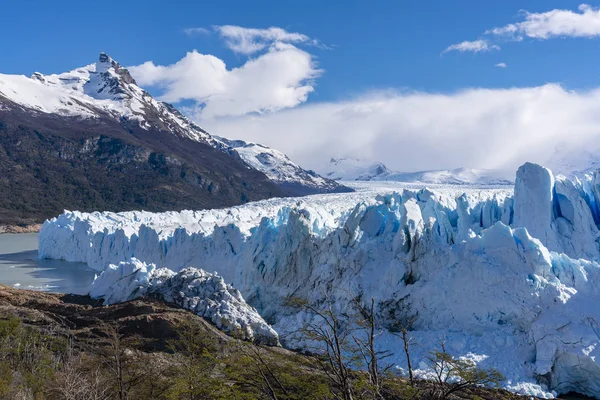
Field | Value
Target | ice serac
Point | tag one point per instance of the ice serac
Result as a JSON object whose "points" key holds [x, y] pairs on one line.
{"points": [[203, 293], [561, 213], [534, 206], [511, 280]]}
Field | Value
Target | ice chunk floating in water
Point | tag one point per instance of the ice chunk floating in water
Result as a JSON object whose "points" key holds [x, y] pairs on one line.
{"points": [[511, 279]]}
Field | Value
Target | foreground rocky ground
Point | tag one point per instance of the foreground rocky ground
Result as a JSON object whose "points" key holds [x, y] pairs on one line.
{"points": [[55, 346]]}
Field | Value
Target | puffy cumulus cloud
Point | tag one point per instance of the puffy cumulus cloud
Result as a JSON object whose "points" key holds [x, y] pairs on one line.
{"points": [[482, 128], [554, 23], [500, 65], [474, 46], [282, 77]]}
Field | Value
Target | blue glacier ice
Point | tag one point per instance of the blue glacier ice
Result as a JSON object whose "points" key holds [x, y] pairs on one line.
{"points": [[508, 277]]}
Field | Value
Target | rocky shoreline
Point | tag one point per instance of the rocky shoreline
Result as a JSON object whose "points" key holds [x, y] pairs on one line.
{"points": [[32, 228]]}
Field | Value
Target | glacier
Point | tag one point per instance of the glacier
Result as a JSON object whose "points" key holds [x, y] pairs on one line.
{"points": [[203, 293], [507, 277]]}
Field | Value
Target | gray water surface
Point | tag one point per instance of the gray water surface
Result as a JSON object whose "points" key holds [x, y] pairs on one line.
{"points": [[21, 268]]}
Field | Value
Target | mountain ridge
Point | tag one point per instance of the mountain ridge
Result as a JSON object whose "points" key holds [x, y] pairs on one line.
{"points": [[92, 139], [353, 169]]}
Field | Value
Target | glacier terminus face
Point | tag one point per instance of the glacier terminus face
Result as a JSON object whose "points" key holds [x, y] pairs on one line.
{"points": [[509, 278]]}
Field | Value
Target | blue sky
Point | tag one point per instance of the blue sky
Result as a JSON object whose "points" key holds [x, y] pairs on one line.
{"points": [[374, 45], [369, 58]]}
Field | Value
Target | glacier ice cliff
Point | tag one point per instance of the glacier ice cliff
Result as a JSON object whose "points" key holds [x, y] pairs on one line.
{"points": [[203, 293], [510, 278]]}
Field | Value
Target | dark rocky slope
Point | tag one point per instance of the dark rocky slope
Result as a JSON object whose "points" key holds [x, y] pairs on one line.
{"points": [[50, 163], [91, 139]]}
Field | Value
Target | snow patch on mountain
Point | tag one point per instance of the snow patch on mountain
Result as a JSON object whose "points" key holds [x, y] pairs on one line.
{"points": [[34, 94], [276, 165], [352, 169], [203, 293]]}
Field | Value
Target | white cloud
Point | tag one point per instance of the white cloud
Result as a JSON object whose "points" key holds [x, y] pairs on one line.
{"points": [[501, 65], [474, 46], [249, 40], [194, 31], [280, 78], [554, 23], [542, 26], [483, 128]]}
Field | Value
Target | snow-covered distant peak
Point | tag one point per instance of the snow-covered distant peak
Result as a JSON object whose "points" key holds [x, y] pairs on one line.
{"points": [[574, 160], [104, 80], [353, 169], [106, 63], [102, 87], [457, 176], [276, 165], [99, 90]]}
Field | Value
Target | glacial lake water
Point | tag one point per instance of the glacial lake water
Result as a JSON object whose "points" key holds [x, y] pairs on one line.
{"points": [[21, 268]]}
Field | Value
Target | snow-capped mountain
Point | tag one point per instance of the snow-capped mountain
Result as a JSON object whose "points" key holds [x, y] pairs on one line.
{"points": [[278, 167], [353, 169], [575, 160], [79, 126], [107, 88], [96, 91]]}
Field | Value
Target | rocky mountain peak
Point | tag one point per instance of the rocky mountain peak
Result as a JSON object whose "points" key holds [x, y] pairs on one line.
{"points": [[38, 76], [106, 63], [105, 58], [113, 78]]}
